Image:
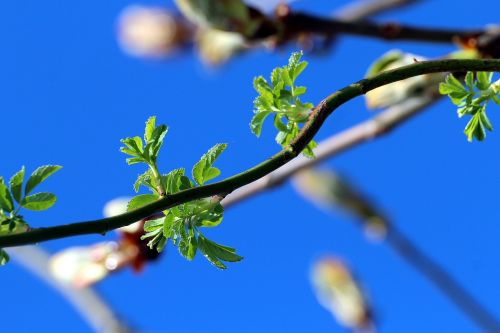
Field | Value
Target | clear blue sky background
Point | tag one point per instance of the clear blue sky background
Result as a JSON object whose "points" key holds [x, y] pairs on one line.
{"points": [[68, 94]]}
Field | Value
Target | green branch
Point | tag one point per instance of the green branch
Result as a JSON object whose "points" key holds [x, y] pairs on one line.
{"points": [[316, 120]]}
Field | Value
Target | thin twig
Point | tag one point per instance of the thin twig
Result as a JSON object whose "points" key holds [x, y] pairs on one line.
{"points": [[443, 280], [364, 8], [228, 185], [89, 304]]}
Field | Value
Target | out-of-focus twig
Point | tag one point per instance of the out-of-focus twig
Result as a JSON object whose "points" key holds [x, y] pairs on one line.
{"points": [[364, 8], [327, 189], [381, 124], [443, 280], [86, 301]]}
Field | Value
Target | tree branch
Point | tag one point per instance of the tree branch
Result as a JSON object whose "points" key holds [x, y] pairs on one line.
{"points": [[366, 131], [298, 23], [316, 120]]}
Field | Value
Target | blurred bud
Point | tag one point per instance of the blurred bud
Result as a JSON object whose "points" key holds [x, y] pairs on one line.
{"points": [[217, 46], [86, 265], [227, 15], [397, 92], [339, 293], [329, 190], [150, 31]]}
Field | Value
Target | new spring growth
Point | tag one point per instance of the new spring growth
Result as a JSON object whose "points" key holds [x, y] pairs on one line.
{"points": [[472, 99]]}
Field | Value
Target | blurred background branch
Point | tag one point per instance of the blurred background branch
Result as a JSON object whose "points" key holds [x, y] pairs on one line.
{"points": [[92, 308]]}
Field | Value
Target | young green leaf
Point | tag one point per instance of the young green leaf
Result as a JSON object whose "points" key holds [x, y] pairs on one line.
{"points": [[4, 257], [211, 217], [39, 201], [39, 175], [282, 98], [6, 203], [258, 121], [152, 225], [454, 89], [215, 253], [188, 245], [208, 254], [472, 101], [483, 80], [150, 127], [222, 252], [141, 201], [146, 179], [16, 184], [203, 170]]}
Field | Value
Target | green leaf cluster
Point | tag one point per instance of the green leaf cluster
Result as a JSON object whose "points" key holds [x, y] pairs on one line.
{"points": [[146, 152], [180, 224], [13, 193], [472, 99], [281, 97]]}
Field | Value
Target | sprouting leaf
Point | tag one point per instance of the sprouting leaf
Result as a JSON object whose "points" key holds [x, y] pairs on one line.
{"points": [[212, 216], [133, 146], [483, 80], [16, 184], [281, 97], [6, 203], [454, 89], [208, 254], [175, 181], [4, 257], [258, 121], [39, 201], [471, 101], [203, 170], [215, 253], [150, 126], [145, 179], [141, 201], [155, 224], [188, 244], [39, 175], [295, 66]]}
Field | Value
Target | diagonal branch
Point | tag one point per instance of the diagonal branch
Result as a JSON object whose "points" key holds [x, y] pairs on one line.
{"points": [[366, 131], [316, 120], [297, 23]]}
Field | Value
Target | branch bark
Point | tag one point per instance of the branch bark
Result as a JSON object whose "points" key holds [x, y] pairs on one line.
{"points": [[316, 120]]}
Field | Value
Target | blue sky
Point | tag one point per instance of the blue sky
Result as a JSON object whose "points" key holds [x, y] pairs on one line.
{"points": [[69, 94]]}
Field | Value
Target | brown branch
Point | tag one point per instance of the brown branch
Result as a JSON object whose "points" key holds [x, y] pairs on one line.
{"points": [[296, 23]]}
